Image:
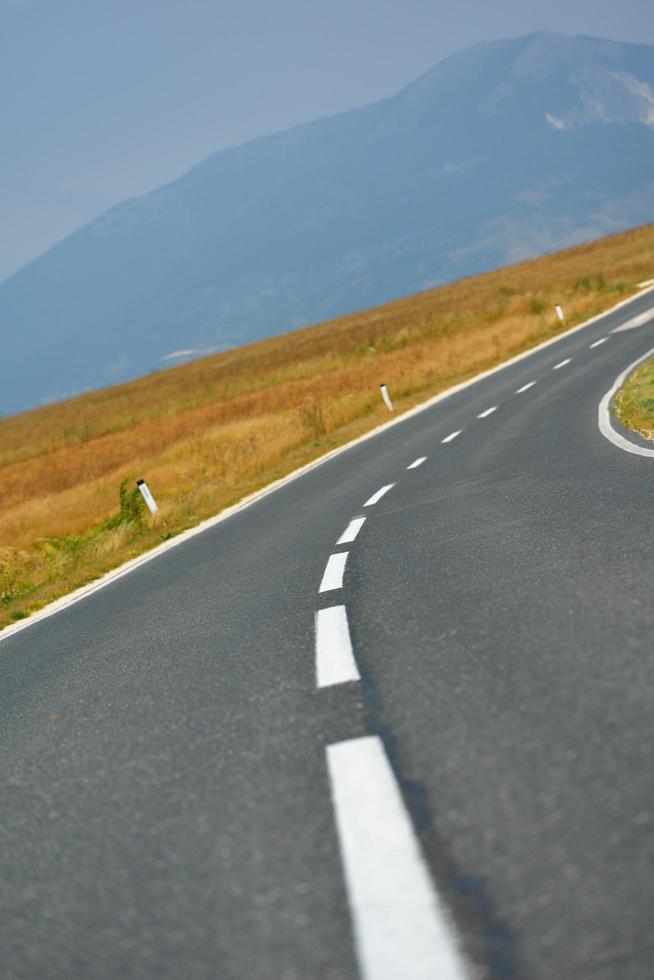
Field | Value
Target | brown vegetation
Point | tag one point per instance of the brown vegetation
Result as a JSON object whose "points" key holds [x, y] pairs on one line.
{"points": [[206, 433]]}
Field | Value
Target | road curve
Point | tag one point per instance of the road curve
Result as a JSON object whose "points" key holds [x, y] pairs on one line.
{"points": [[403, 705]]}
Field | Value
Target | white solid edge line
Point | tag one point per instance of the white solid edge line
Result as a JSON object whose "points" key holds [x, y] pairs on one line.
{"points": [[596, 343], [417, 462], [604, 413], [351, 531], [378, 495], [561, 364], [489, 411], [335, 663], [530, 384], [334, 570], [452, 436], [86, 590], [400, 928]]}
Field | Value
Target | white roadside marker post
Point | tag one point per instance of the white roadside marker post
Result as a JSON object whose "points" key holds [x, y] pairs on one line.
{"points": [[387, 398], [560, 313], [147, 496]]}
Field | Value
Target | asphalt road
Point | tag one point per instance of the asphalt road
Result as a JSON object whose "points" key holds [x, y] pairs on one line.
{"points": [[168, 810]]}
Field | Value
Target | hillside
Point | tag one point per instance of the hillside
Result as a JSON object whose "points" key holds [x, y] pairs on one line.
{"points": [[207, 433], [507, 150]]}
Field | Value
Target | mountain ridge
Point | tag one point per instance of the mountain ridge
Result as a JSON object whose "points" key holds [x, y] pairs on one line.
{"points": [[478, 162]]}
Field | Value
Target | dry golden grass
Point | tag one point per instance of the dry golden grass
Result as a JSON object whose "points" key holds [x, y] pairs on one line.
{"points": [[206, 433], [634, 403]]}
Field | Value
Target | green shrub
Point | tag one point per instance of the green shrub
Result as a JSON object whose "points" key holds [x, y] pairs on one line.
{"points": [[130, 509]]}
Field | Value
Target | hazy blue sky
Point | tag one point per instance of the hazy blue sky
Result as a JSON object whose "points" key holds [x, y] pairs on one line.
{"points": [[104, 99]]}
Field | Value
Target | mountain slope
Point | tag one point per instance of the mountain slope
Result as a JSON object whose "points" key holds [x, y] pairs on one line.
{"points": [[506, 150]]}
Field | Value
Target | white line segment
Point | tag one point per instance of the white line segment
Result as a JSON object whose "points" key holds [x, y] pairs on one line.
{"points": [[489, 411], [561, 364], [334, 570], [416, 463], [635, 322], [452, 436], [530, 384], [400, 928], [602, 340], [335, 663], [378, 495], [351, 531]]}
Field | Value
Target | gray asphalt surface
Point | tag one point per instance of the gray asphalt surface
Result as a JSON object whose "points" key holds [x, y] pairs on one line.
{"points": [[166, 808]]}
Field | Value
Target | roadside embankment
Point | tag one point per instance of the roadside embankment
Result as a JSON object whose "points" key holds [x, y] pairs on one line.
{"points": [[206, 434]]}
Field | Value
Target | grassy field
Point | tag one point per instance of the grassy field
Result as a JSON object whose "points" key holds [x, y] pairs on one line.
{"points": [[207, 433], [634, 403]]}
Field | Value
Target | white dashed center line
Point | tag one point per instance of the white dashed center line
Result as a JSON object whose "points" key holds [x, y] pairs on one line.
{"points": [[452, 436], [351, 531], [333, 576], [489, 411], [416, 463], [378, 495], [399, 926], [561, 364], [335, 662], [530, 384], [602, 340]]}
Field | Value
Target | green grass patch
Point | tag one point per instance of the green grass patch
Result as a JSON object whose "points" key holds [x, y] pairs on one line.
{"points": [[634, 403]]}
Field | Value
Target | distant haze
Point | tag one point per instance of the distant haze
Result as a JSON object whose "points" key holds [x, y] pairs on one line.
{"points": [[503, 151], [106, 100]]}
